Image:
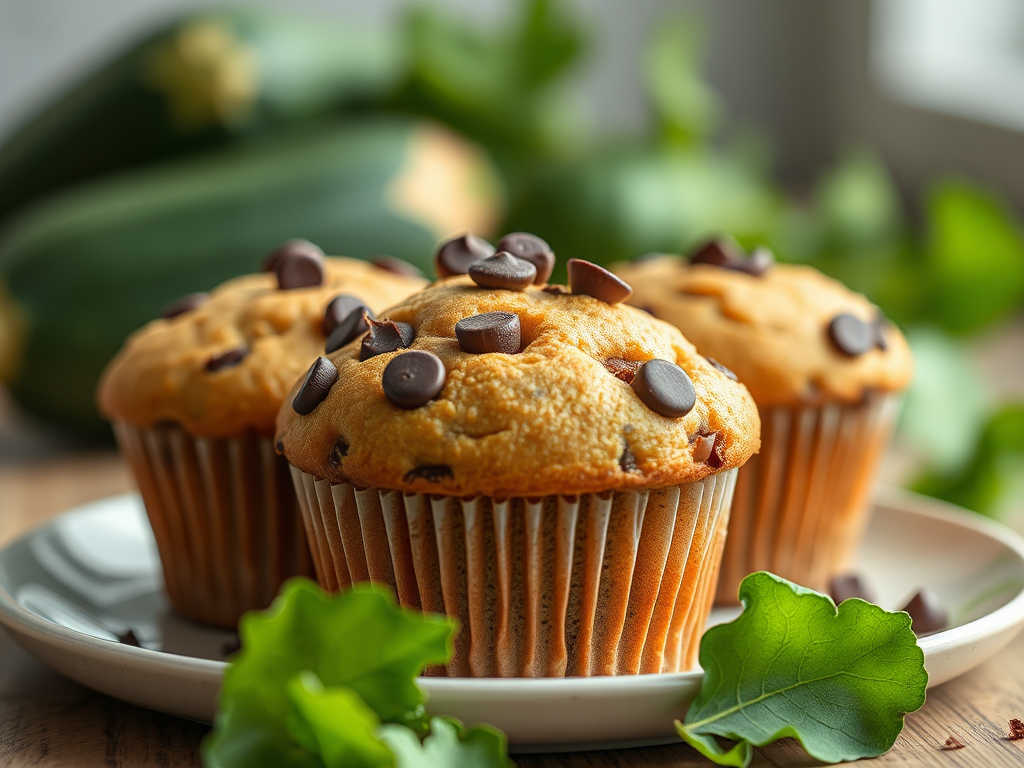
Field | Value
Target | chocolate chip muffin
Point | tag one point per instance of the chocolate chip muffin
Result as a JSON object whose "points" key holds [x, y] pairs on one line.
{"points": [[193, 398], [548, 465], [825, 368]]}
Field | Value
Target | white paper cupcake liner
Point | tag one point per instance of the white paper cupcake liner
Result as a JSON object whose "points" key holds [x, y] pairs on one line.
{"points": [[597, 584], [801, 504], [224, 515]]}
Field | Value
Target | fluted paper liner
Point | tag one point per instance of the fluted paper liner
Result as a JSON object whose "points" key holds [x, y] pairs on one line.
{"points": [[599, 584], [801, 504], [224, 515]]}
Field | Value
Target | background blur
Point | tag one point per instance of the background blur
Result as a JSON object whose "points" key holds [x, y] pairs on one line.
{"points": [[881, 141]]}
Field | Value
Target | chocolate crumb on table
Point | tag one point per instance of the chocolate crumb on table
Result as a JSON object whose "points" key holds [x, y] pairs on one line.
{"points": [[952, 743], [1016, 730]]}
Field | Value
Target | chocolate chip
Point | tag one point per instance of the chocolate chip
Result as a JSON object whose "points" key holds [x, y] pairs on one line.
{"points": [[851, 335], [627, 461], [721, 368], [128, 638], [340, 307], [279, 446], [184, 304], [338, 452], [665, 388], [591, 280], [758, 262], [315, 387], [385, 336], [503, 271], [523, 245], [848, 585], [881, 324], [703, 447], [299, 269], [413, 379], [229, 358], [727, 254], [926, 613], [489, 332], [354, 323], [455, 256], [298, 246], [396, 266], [433, 473], [624, 370]]}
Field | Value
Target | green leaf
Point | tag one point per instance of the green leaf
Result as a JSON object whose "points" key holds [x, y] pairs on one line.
{"points": [[359, 640], [792, 665], [448, 746]]}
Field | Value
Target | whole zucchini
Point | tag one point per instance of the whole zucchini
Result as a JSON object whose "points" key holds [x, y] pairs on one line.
{"points": [[201, 81], [88, 267]]}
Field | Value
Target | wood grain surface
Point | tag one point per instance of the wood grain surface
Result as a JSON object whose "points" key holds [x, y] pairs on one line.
{"points": [[46, 720]]}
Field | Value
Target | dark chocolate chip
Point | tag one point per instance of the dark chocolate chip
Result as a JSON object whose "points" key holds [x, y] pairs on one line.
{"points": [[851, 335], [385, 336], [433, 473], [503, 271], [340, 307], [128, 638], [627, 461], [523, 245], [455, 256], [703, 447], [591, 280], [279, 446], [557, 290], [881, 324], [229, 358], [489, 332], [299, 269], [715, 460], [926, 613], [727, 254], [413, 379], [396, 266], [315, 387], [758, 262], [721, 368], [184, 304], [622, 369], [354, 323], [848, 585], [338, 452], [298, 245], [665, 388]]}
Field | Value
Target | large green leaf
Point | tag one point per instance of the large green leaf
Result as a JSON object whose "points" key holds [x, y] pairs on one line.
{"points": [[448, 746], [792, 665]]}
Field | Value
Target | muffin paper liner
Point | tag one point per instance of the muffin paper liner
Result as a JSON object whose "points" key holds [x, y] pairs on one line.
{"points": [[224, 516], [801, 504], [596, 584]]}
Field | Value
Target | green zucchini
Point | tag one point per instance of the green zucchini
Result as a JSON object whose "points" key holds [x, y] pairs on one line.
{"points": [[202, 81], [86, 268]]}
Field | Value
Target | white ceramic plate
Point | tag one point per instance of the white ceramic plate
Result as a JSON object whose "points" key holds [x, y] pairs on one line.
{"points": [[68, 589]]}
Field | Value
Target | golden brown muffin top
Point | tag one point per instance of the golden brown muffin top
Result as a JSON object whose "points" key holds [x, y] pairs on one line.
{"points": [[223, 366], [777, 330], [551, 411]]}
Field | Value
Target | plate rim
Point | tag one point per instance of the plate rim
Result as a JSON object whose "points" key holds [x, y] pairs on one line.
{"points": [[19, 619]]}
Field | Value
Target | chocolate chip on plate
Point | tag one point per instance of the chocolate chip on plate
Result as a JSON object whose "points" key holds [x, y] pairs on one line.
{"points": [[315, 387], [591, 280], [396, 266], [851, 335], [489, 332], [354, 323], [413, 379], [523, 245], [291, 246], [184, 304], [503, 271], [227, 359], [340, 307], [299, 269], [847, 585], [455, 256], [385, 336], [665, 388], [721, 369], [926, 613], [433, 473], [128, 637]]}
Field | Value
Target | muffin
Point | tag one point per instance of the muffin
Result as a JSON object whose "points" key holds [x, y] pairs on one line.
{"points": [[825, 368], [549, 466], [193, 398]]}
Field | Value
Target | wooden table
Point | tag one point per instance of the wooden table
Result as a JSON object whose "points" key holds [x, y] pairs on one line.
{"points": [[46, 720]]}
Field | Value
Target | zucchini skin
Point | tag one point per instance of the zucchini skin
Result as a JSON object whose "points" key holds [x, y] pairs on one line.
{"points": [[88, 267], [202, 81]]}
